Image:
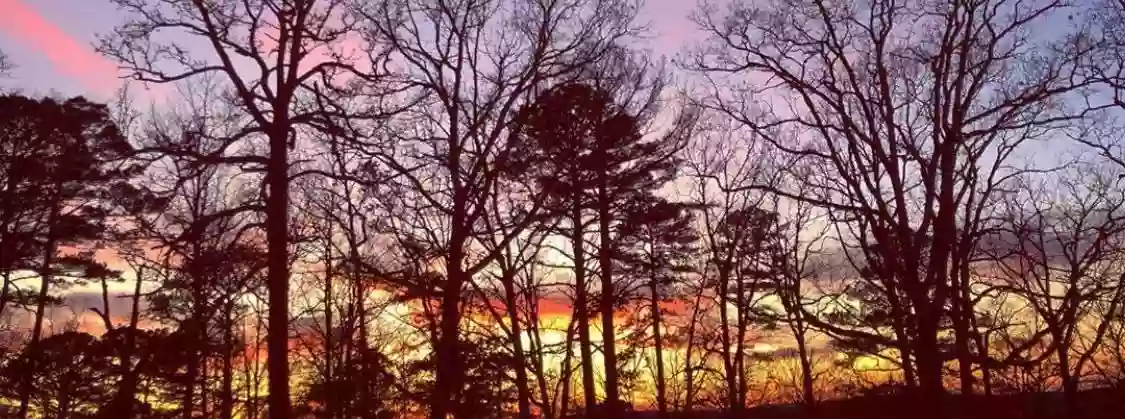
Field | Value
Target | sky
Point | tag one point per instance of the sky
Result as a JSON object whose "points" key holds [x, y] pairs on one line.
{"points": [[51, 42]]}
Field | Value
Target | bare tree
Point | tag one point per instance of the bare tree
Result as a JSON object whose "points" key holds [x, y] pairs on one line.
{"points": [[721, 164], [909, 114], [283, 66], [659, 243], [1060, 256], [514, 267], [804, 236]]}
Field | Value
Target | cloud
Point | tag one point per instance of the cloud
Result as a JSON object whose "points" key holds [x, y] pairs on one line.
{"points": [[69, 56]]}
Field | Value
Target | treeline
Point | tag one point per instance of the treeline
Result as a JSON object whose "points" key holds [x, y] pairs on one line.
{"points": [[496, 208]]}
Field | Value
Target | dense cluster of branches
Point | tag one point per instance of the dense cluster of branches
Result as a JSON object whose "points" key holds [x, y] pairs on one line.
{"points": [[479, 208]]}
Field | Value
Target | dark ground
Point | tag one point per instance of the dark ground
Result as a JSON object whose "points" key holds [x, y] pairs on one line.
{"points": [[1093, 404]]}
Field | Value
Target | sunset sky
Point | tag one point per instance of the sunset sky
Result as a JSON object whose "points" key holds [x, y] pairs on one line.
{"points": [[51, 42]]}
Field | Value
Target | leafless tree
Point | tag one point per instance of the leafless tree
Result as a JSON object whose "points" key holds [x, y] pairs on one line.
{"points": [[284, 66], [804, 237], [1061, 254], [513, 283], [721, 165], [910, 114]]}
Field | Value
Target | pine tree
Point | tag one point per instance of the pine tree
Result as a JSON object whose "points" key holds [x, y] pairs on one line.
{"points": [[588, 151], [658, 240], [66, 160]]}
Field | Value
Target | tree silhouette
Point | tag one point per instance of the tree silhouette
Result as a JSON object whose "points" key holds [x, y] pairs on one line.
{"points": [[471, 77], [70, 374], [291, 87], [69, 153], [918, 191], [402, 208], [1060, 259], [589, 155], [659, 240]]}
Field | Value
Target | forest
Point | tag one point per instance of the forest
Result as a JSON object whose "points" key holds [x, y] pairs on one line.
{"points": [[463, 209]]}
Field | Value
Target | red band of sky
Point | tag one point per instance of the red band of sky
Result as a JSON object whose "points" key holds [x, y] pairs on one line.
{"points": [[69, 56]]}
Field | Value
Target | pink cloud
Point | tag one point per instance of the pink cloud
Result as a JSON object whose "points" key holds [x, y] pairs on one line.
{"points": [[70, 57]]}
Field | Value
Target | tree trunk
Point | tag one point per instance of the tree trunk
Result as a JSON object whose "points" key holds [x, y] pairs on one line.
{"points": [[6, 266], [1069, 381], [985, 367], [724, 326], [226, 391], [567, 371], [277, 237], [204, 386], [64, 400], [46, 276], [929, 368], [448, 383], [609, 298], [364, 397], [537, 354], [658, 347], [196, 330], [522, 385], [961, 334], [448, 375], [5, 276], [253, 375], [902, 340], [930, 306], [345, 407], [192, 374], [127, 388], [808, 396], [689, 369], [581, 309], [329, 353], [740, 346]]}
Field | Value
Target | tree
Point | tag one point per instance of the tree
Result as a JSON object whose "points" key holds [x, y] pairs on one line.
{"points": [[589, 154], [364, 387], [471, 73], [659, 241], [625, 168], [1059, 256], [66, 158], [738, 231], [800, 261], [556, 126], [200, 247], [208, 267], [909, 133], [515, 272], [487, 389], [70, 374], [351, 376], [283, 70], [20, 213]]}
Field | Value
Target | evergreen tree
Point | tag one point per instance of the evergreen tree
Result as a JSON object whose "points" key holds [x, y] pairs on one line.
{"points": [[587, 150], [66, 160], [70, 375], [659, 240]]}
